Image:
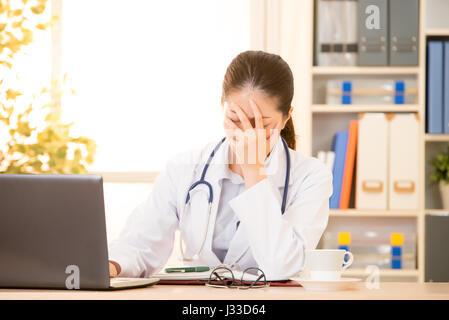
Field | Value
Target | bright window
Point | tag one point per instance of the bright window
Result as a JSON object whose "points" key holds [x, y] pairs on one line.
{"points": [[148, 75]]}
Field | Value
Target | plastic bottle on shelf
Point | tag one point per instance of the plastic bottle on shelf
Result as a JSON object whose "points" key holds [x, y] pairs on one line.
{"points": [[371, 91], [371, 247]]}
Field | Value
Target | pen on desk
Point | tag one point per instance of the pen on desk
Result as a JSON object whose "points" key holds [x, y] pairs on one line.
{"points": [[187, 269]]}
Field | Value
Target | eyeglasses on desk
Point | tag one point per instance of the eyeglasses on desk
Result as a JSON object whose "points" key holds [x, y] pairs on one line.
{"points": [[223, 277]]}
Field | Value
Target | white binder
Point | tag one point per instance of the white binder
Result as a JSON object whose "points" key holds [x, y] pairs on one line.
{"points": [[325, 20], [404, 161], [372, 162]]}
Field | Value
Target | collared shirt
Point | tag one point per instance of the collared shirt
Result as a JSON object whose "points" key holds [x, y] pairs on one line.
{"points": [[227, 222]]}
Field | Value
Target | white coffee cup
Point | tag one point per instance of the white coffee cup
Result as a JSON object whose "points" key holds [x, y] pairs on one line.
{"points": [[327, 264]]}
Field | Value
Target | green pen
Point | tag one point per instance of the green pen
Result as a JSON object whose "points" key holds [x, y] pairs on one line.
{"points": [[187, 269]]}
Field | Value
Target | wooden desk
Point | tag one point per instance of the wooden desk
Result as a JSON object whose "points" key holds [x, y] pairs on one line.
{"points": [[387, 291]]}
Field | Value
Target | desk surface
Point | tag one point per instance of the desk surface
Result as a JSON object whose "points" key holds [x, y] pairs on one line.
{"points": [[387, 291]]}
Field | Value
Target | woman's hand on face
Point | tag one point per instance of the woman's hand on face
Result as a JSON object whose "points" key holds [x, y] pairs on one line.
{"points": [[250, 144]]}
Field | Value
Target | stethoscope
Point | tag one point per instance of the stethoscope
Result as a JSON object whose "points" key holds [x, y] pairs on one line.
{"points": [[211, 197]]}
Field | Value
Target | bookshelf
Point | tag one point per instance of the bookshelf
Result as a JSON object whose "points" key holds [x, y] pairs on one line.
{"points": [[433, 143], [297, 47]]}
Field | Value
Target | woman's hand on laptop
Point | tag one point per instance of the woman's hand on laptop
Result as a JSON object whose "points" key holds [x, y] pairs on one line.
{"points": [[114, 269]]}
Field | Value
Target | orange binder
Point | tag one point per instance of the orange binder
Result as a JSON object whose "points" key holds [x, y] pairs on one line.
{"points": [[349, 165]]}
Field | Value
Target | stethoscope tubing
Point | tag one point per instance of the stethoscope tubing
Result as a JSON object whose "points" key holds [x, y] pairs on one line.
{"points": [[211, 196]]}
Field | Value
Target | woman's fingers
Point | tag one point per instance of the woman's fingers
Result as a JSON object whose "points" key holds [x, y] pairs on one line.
{"points": [[231, 129], [242, 117], [230, 114], [257, 115], [231, 125]]}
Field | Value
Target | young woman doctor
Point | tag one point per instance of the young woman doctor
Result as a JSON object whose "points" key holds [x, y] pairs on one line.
{"points": [[230, 208]]}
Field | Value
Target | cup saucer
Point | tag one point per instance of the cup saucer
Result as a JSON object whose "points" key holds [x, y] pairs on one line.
{"points": [[327, 285]]}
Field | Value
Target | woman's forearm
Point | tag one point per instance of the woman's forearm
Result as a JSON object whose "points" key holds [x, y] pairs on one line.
{"points": [[253, 174]]}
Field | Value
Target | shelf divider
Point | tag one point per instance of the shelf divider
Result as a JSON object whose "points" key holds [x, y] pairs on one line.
{"points": [[437, 137], [355, 213], [328, 108], [437, 32], [383, 272]]}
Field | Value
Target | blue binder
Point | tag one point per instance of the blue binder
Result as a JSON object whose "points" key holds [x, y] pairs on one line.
{"points": [[340, 146], [446, 88], [435, 87]]}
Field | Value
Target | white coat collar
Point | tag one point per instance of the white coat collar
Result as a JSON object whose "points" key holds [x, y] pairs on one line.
{"points": [[275, 166]]}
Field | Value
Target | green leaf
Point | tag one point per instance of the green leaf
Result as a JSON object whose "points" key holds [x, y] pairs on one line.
{"points": [[38, 9], [37, 149], [21, 148], [75, 170], [440, 164], [17, 24], [27, 36], [24, 129], [16, 13], [37, 165], [41, 26], [12, 94], [62, 152], [7, 64]]}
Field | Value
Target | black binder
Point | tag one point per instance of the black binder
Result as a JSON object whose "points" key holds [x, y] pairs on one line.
{"points": [[437, 251]]}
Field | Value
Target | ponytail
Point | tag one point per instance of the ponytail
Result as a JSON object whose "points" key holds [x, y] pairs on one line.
{"points": [[288, 133]]}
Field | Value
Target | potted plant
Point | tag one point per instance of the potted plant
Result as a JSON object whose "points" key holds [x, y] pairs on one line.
{"points": [[440, 175]]}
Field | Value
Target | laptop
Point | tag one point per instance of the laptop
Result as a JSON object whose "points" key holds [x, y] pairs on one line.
{"points": [[53, 234]]}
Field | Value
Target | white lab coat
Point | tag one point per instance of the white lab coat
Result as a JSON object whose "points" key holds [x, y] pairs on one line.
{"points": [[265, 239]]}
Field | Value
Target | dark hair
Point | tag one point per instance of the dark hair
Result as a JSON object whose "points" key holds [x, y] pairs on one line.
{"points": [[268, 73]]}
